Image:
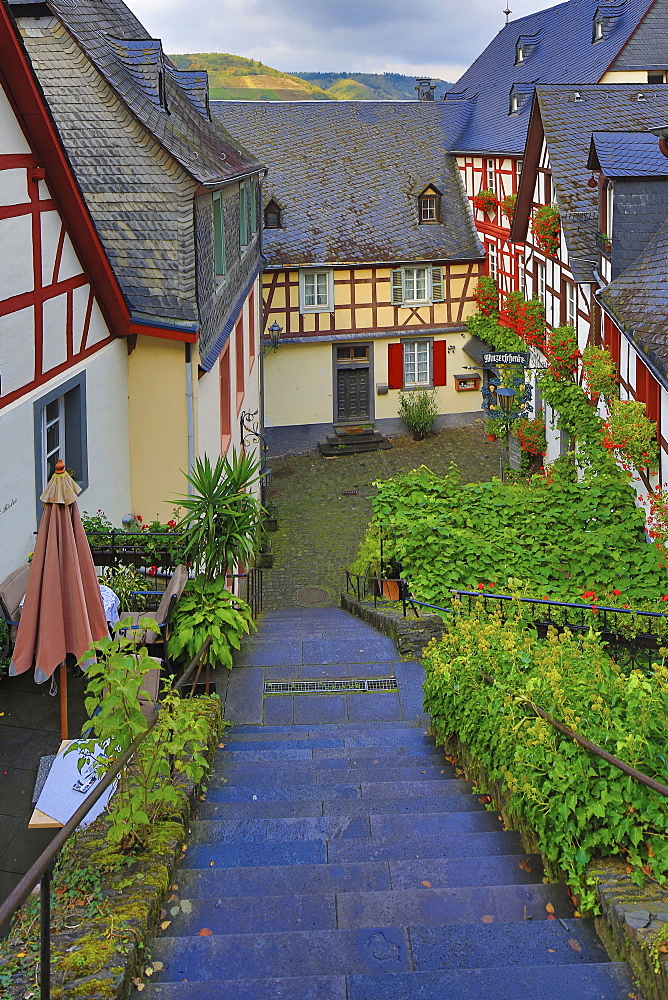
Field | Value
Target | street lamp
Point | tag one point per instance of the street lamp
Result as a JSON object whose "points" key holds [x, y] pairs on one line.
{"points": [[506, 399], [274, 332]]}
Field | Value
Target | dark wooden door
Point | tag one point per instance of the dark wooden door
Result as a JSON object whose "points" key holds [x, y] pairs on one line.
{"points": [[352, 394]]}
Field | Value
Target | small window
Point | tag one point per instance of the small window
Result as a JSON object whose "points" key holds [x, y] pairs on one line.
{"points": [[598, 29], [60, 433], [514, 104], [272, 216], [492, 261], [518, 171], [416, 363], [519, 53], [571, 304], [415, 284], [656, 77], [348, 355], [316, 290], [429, 206], [219, 261], [491, 175], [540, 281]]}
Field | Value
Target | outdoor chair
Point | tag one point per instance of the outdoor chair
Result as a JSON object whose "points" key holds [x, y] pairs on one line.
{"points": [[12, 592], [156, 642]]}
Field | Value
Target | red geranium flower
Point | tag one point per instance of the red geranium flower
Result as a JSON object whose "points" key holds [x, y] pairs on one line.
{"points": [[616, 593], [481, 586], [153, 570]]}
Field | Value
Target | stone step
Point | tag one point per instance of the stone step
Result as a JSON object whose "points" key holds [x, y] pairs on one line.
{"points": [[361, 877], [312, 790], [373, 950], [245, 854], [328, 729], [333, 759], [207, 831], [351, 447], [397, 741], [360, 437], [285, 652], [334, 807], [348, 910], [320, 771], [585, 982]]}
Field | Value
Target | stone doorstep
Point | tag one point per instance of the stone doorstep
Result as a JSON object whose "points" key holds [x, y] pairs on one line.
{"points": [[631, 915]]}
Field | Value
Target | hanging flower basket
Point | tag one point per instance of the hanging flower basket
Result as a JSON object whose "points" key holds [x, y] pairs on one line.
{"points": [[508, 206], [486, 201], [486, 295], [531, 435], [546, 229]]}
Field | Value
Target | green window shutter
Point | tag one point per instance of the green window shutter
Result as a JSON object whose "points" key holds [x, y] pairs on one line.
{"points": [[397, 287], [437, 284], [243, 217], [218, 236]]}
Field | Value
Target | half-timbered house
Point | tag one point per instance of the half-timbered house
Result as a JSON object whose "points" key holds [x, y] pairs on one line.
{"points": [[372, 260], [63, 361], [175, 201], [571, 130], [581, 42]]}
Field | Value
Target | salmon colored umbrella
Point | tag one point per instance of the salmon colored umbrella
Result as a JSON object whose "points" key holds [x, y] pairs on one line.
{"points": [[62, 612]]}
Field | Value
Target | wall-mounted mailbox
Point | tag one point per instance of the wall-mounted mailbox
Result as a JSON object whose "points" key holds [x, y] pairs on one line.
{"points": [[381, 388], [467, 383]]}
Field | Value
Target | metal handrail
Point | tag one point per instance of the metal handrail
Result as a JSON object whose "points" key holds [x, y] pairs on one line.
{"points": [[41, 870], [557, 604]]}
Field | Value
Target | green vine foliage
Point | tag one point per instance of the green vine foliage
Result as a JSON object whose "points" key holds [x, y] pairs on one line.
{"points": [[565, 536], [599, 372], [145, 793], [579, 806], [207, 608], [631, 435]]}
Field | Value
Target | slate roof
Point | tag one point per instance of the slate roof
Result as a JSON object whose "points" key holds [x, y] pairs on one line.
{"points": [[560, 51], [648, 46], [638, 300], [568, 125], [627, 154], [138, 166], [130, 60], [347, 174]]}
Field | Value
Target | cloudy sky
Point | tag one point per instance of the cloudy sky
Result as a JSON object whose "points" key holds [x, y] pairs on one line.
{"points": [[431, 37]]}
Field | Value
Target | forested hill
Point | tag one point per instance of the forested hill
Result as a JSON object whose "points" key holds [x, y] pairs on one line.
{"points": [[237, 78], [370, 86]]}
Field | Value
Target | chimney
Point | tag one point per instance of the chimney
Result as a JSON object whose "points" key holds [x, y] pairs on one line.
{"points": [[425, 88]]}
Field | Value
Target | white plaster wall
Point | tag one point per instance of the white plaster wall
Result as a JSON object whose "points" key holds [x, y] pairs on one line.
{"points": [[12, 139], [16, 274], [108, 453], [51, 225], [13, 186], [17, 349], [54, 340]]}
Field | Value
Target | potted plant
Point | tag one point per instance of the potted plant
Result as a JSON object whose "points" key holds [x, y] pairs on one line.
{"points": [[491, 429], [486, 201], [531, 435], [418, 410], [265, 557]]}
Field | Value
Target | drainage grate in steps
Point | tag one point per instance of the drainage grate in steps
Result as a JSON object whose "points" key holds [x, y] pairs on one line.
{"points": [[325, 686]]}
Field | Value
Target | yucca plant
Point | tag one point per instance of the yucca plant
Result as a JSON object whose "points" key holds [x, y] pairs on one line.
{"points": [[220, 519]]}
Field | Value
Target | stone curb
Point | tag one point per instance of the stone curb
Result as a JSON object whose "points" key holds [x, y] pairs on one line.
{"points": [[631, 915]]}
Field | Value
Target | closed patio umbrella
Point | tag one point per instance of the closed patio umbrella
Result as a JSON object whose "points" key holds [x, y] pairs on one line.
{"points": [[63, 611]]}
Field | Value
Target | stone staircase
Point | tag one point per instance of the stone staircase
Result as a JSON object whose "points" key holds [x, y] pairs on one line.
{"points": [[353, 441], [339, 857]]}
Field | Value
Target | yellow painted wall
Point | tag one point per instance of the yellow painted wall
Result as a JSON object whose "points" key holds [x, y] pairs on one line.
{"points": [[298, 385], [625, 76], [158, 425]]}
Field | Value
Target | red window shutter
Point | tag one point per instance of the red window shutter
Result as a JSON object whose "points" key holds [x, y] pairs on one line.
{"points": [[438, 361], [611, 338], [395, 366]]}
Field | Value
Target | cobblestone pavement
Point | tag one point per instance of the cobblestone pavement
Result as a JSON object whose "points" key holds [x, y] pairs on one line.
{"points": [[320, 528]]}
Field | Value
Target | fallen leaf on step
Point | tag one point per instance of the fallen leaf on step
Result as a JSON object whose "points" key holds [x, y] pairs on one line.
{"points": [[158, 966], [148, 971], [551, 916], [552, 950], [549, 907], [173, 888], [220, 746], [663, 948], [487, 919], [577, 914], [426, 884], [423, 772], [211, 864], [525, 866], [484, 799], [164, 925], [575, 945], [140, 987], [205, 932]]}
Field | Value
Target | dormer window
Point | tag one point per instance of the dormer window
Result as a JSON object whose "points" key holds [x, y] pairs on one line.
{"points": [[429, 205], [514, 104], [519, 53], [272, 216], [598, 30]]}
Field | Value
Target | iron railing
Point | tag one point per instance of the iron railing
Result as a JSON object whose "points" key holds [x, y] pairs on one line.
{"points": [[40, 871], [135, 548]]}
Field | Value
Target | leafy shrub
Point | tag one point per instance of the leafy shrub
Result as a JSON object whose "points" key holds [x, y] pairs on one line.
{"points": [[546, 229], [145, 791], [631, 435], [599, 371], [418, 410], [124, 581], [580, 806], [205, 609]]}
